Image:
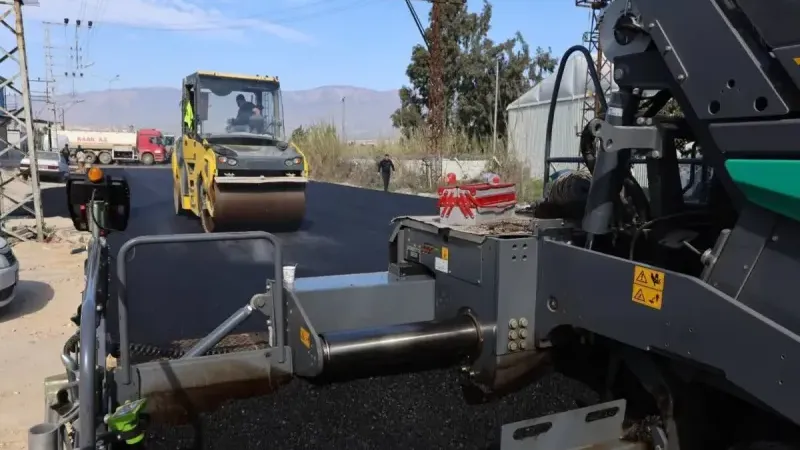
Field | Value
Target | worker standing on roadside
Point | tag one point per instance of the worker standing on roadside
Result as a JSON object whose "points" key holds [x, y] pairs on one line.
{"points": [[385, 168], [80, 157], [65, 153]]}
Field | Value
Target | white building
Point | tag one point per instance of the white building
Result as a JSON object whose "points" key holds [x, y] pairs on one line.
{"points": [[527, 117]]}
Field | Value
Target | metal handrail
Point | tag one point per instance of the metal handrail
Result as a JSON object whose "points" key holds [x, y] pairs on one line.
{"points": [[87, 360], [123, 375]]}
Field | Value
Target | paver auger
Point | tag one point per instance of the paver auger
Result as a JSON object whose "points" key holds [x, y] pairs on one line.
{"points": [[674, 302]]}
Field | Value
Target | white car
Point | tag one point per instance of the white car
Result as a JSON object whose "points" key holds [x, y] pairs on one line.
{"points": [[9, 273], [52, 166]]}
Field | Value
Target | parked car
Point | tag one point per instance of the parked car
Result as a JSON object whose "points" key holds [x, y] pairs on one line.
{"points": [[9, 274], [52, 167]]}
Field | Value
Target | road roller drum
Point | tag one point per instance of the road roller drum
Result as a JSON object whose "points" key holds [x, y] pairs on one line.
{"points": [[275, 205]]}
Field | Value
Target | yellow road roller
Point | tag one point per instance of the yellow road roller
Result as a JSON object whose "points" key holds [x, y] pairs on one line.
{"points": [[233, 167]]}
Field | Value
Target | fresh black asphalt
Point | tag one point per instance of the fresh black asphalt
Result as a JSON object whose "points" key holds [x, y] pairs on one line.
{"points": [[181, 291]]}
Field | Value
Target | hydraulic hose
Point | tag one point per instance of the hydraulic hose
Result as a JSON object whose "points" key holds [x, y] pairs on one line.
{"points": [[598, 88]]}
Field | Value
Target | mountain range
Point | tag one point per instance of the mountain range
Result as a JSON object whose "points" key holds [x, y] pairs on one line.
{"points": [[366, 112]]}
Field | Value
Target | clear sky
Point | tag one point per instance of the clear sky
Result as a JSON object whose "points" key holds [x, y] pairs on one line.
{"points": [[307, 43]]}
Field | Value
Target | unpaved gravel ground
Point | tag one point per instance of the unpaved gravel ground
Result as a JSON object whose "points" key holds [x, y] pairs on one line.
{"points": [[33, 330]]}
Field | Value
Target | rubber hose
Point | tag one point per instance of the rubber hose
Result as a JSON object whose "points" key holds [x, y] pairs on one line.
{"points": [[598, 88], [71, 346]]}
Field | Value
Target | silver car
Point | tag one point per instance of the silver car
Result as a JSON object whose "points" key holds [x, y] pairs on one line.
{"points": [[52, 166], [9, 273]]}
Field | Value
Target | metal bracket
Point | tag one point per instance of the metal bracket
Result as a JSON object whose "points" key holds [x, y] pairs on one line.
{"points": [[616, 138], [598, 426], [302, 338]]}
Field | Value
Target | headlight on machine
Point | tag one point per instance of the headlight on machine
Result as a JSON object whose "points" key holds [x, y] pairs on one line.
{"points": [[293, 162], [228, 161]]}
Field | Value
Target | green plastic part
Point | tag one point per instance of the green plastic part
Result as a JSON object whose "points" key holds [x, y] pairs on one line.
{"points": [[773, 184], [126, 419]]}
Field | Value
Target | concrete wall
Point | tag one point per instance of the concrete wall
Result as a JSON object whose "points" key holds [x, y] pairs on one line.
{"points": [[464, 169]]}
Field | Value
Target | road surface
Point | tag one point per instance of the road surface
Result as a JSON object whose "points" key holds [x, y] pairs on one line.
{"points": [[183, 291]]}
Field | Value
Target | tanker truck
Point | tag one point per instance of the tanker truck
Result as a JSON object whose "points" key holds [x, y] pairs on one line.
{"points": [[108, 147]]}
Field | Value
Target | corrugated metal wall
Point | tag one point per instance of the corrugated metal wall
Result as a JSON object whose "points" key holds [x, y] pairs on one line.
{"points": [[527, 126]]}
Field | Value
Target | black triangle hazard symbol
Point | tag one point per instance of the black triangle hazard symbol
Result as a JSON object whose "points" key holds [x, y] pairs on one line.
{"points": [[639, 297], [641, 278]]}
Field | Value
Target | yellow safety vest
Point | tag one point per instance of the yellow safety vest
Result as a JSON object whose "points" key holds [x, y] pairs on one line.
{"points": [[188, 116]]}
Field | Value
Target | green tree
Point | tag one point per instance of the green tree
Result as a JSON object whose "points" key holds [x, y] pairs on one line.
{"points": [[470, 64]]}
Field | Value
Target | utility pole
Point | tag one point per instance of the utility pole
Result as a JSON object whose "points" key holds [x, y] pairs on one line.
{"points": [[591, 106], [496, 100], [76, 54], [436, 107], [50, 81], [344, 120], [22, 117]]}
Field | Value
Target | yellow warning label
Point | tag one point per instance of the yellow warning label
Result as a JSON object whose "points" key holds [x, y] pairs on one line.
{"points": [[445, 253], [648, 287], [648, 278], [305, 337], [797, 61], [647, 296]]}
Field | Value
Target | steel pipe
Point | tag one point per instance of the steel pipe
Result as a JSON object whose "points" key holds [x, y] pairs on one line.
{"points": [[421, 345]]}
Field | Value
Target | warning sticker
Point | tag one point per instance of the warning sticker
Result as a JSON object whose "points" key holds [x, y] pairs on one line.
{"points": [[648, 278], [648, 287], [441, 265], [647, 296], [445, 254], [305, 337]]}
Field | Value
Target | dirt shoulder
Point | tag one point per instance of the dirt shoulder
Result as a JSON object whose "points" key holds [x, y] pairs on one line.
{"points": [[33, 330]]}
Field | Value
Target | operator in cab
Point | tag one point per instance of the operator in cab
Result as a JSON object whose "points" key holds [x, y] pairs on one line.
{"points": [[246, 111]]}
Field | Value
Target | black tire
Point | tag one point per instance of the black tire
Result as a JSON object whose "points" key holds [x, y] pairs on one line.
{"points": [[105, 158], [206, 221], [148, 159], [90, 158]]}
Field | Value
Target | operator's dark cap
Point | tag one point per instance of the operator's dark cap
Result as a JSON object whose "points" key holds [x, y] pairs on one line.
{"points": [[240, 97]]}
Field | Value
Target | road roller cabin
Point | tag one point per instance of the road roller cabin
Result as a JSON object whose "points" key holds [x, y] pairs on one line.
{"points": [[233, 167]]}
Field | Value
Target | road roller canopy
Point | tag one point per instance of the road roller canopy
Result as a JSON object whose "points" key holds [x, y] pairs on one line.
{"points": [[236, 104]]}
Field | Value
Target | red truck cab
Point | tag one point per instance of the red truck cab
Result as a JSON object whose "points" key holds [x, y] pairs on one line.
{"points": [[150, 141]]}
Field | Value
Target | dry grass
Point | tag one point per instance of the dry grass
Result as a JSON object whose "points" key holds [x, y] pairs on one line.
{"points": [[333, 161]]}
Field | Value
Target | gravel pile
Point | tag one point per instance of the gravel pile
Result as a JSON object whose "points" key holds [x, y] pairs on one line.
{"points": [[415, 411]]}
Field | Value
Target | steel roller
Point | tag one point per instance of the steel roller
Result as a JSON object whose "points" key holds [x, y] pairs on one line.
{"points": [[269, 204]]}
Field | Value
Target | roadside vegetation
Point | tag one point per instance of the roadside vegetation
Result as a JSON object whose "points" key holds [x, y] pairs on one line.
{"points": [[330, 159], [479, 74]]}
